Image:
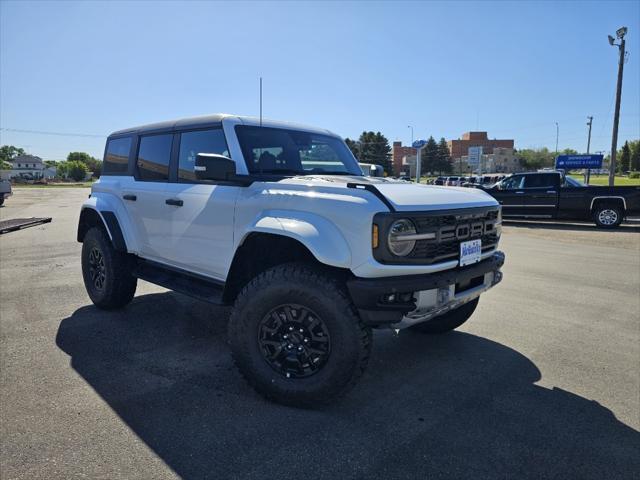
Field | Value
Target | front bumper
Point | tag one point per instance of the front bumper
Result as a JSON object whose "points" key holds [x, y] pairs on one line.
{"points": [[451, 288]]}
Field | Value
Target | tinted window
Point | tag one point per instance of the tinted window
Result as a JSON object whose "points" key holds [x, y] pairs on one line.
{"points": [[274, 150], [153, 158], [543, 180], [116, 158], [193, 143]]}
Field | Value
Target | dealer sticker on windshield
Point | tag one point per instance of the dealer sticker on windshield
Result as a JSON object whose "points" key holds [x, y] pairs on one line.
{"points": [[470, 252]]}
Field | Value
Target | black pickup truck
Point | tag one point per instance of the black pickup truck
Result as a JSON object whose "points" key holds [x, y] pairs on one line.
{"points": [[552, 195]]}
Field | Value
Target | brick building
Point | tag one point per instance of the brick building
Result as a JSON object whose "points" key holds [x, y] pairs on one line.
{"points": [[398, 153], [460, 147]]}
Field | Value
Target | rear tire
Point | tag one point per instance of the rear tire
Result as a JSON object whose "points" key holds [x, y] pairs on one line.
{"points": [[1, 200], [449, 321], [296, 338], [607, 215], [107, 273]]}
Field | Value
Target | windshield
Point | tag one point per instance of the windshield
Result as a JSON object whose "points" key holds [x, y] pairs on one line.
{"points": [[572, 182], [294, 152]]}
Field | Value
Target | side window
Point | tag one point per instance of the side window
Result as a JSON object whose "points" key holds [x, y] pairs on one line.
{"points": [[513, 183], [116, 158], [193, 143], [544, 180], [153, 157]]}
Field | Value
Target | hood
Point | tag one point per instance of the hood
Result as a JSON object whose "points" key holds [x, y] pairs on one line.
{"points": [[406, 196]]}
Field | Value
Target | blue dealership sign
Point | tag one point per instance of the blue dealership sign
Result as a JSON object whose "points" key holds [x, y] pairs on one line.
{"points": [[419, 143], [569, 162]]}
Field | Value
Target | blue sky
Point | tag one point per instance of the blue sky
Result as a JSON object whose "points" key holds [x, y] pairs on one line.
{"points": [[512, 69]]}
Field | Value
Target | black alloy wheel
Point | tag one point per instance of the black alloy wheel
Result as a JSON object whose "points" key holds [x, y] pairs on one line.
{"points": [[97, 272], [294, 341]]}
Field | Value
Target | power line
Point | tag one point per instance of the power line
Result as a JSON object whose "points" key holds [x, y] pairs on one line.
{"points": [[60, 134]]}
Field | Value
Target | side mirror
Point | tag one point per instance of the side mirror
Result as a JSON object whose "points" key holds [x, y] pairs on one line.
{"points": [[211, 166]]}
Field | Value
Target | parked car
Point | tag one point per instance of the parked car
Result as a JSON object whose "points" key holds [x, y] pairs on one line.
{"points": [[552, 195], [452, 181], [278, 221], [440, 181], [371, 170], [5, 190]]}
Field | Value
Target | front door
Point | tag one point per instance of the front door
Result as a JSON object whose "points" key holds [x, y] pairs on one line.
{"points": [[511, 195], [201, 215]]}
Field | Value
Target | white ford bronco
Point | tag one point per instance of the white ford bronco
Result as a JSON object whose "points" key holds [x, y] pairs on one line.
{"points": [[277, 220]]}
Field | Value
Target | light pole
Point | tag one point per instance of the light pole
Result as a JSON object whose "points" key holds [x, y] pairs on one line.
{"points": [[620, 33], [557, 135], [418, 144], [409, 126], [588, 174]]}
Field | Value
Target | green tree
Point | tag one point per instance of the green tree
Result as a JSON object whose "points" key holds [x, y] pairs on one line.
{"points": [[5, 165], [624, 158], [93, 164], [429, 157], [372, 147], [76, 170], [443, 164], [50, 163], [533, 159], [634, 162], [9, 152], [568, 151], [353, 146]]}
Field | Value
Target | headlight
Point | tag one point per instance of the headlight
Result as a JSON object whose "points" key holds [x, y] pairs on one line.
{"points": [[400, 242]]}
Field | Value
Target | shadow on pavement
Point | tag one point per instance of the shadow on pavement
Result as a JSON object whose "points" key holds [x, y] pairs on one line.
{"points": [[628, 226], [449, 406]]}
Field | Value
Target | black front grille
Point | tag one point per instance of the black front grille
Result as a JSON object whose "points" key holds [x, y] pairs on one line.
{"points": [[450, 230]]}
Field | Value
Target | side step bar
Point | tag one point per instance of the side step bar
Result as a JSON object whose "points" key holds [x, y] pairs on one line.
{"points": [[187, 283]]}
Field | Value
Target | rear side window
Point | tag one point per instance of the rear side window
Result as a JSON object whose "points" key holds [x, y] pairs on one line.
{"points": [[116, 158], [193, 143], [153, 158], [543, 180]]}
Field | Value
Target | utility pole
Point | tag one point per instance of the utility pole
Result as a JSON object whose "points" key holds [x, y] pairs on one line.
{"points": [[557, 135], [620, 33], [409, 126], [260, 101], [588, 174]]}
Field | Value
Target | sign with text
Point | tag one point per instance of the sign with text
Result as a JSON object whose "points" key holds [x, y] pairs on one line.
{"points": [[569, 162], [475, 155]]}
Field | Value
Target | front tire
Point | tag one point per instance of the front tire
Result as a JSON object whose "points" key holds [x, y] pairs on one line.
{"points": [[107, 273], [607, 216], [448, 321], [296, 338]]}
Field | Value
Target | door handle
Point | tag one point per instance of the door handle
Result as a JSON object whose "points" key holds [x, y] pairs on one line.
{"points": [[551, 191], [131, 198], [174, 201], [520, 193]]}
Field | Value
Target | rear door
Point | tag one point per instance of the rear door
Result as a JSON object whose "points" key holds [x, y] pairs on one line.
{"points": [[145, 194], [541, 194], [510, 194]]}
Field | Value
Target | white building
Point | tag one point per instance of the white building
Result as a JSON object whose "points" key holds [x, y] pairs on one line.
{"points": [[28, 166]]}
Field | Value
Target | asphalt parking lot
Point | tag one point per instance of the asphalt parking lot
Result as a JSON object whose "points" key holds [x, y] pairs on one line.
{"points": [[543, 382]]}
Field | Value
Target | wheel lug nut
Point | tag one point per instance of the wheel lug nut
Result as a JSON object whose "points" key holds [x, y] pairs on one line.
{"points": [[291, 329], [299, 349], [306, 340], [285, 336], [301, 330]]}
